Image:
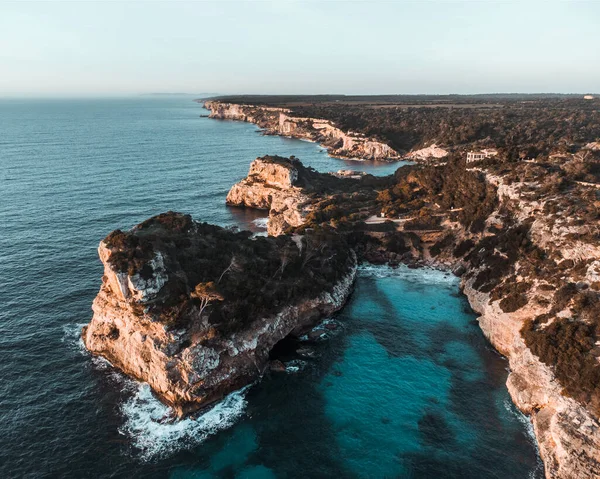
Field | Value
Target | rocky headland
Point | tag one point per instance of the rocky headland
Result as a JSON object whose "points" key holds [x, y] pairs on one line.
{"points": [[280, 121], [529, 262], [194, 309]]}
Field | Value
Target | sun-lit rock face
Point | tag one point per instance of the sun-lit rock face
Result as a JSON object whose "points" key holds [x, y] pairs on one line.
{"points": [[568, 435], [567, 431], [278, 121], [151, 322], [428, 153], [271, 185], [511, 270]]}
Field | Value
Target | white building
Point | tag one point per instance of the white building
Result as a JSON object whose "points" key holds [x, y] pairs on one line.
{"points": [[481, 155], [588, 97]]}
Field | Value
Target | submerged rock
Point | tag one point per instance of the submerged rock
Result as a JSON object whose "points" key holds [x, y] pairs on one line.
{"points": [[277, 366], [194, 309]]}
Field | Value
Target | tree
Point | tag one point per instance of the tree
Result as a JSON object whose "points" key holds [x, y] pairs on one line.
{"points": [[234, 265], [206, 293]]}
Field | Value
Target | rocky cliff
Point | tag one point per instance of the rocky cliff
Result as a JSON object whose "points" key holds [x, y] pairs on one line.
{"points": [[517, 317], [272, 185], [194, 310], [279, 121], [530, 268]]}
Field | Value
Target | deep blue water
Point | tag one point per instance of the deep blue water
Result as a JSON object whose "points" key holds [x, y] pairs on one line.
{"points": [[405, 386]]}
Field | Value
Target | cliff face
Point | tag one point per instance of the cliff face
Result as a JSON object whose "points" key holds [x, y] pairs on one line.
{"points": [[278, 121], [431, 152], [568, 435], [532, 274], [272, 186], [150, 321], [567, 431]]}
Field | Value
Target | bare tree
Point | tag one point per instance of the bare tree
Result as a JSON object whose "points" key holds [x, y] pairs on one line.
{"points": [[312, 250], [206, 293], [285, 258], [233, 266]]}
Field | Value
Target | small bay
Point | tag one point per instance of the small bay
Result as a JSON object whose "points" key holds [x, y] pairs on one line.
{"points": [[405, 385]]}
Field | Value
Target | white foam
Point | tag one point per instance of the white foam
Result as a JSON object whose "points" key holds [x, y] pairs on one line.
{"points": [[149, 424], [528, 426], [261, 222], [72, 336], [325, 332], [295, 366], [425, 275]]}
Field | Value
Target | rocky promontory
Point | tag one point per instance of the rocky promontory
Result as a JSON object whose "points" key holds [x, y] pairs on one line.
{"points": [[280, 121], [524, 239], [273, 185], [194, 309]]}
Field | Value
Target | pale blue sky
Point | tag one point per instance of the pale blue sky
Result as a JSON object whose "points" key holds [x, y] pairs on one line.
{"points": [[115, 48]]}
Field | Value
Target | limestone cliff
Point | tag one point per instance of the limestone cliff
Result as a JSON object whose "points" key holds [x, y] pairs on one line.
{"points": [[432, 152], [180, 306], [271, 185], [531, 270], [568, 435], [279, 121], [567, 431]]}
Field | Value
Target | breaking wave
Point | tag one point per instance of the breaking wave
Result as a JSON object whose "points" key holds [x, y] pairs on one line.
{"points": [[417, 275], [150, 426], [528, 426], [261, 222]]}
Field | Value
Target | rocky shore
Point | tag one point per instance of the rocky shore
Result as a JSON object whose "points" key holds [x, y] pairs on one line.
{"points": [[279, 121], [272, 186], [516, 265], [194, 310]]}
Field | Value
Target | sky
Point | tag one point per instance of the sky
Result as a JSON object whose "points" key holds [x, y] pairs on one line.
{"points": [[114, 48]]}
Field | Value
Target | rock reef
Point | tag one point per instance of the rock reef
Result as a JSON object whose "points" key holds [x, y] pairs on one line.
{"points": [[194, 309]]}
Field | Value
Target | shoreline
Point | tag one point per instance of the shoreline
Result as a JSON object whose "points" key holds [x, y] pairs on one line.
{"points": [[566, 431], [276, 121]]}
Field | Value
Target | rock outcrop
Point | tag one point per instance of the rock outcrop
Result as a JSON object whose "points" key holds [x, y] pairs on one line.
{"points": [[567, 434], [279, 121], [194, 310], [567, 431], [525, 266], [272, 185], [432, 152]]}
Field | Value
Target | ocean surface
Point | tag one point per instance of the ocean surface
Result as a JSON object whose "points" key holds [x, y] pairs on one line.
{"points": [[400, 384]]}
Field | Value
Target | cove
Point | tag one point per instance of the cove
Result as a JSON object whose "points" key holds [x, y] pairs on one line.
{"points": [[406, 386]]}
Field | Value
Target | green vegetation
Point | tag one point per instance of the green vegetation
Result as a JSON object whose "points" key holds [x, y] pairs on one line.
{"points": [[442, 188], [242, 278], [452, 211], [521, 126]]}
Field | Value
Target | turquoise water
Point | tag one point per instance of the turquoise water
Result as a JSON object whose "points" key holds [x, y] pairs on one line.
{"points": [[405, 386]]}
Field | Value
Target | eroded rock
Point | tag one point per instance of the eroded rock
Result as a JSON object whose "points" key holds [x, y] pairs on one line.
{"points": [[193, 344]]}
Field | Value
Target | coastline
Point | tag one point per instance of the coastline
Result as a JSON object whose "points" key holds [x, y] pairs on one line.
{"points": [[277, 121], [566, 431]]}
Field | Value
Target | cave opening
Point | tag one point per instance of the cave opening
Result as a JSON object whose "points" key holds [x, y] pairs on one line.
{"points": [[285, 349]]}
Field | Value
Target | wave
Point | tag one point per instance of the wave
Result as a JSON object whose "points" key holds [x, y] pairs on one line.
{"points": [[153, 432], [295, 366], [425, 274], [72, 336], [528, 426], [261, 222], [150, 424]]}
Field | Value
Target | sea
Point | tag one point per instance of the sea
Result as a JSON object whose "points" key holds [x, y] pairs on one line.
{"points": [[400, 384]]}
